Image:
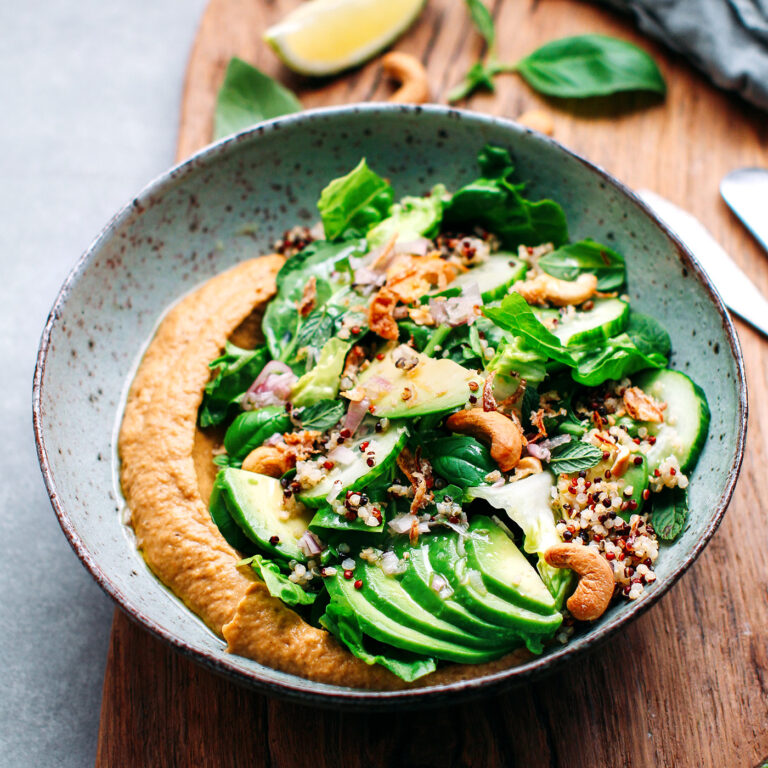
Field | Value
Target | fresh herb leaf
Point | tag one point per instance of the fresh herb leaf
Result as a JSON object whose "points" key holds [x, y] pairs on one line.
{"points": [[236, 370], [529, 405], [590, 65], [350, 205], [648, 334], [670, 513], [453, 492], [494, 203], [279, 585], [478, 76], [462, 460], [342, 622], [322, 415], [514, 315], [574, 456], [410, 219], [250, 429], [315, 330], [571, 260], [483, 21], [617, 358], [246, 97]]}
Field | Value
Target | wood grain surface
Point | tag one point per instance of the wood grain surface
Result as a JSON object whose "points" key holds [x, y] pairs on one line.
{"points": [[687, 684]]}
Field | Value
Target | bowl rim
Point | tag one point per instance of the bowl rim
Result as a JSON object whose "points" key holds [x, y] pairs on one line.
{"points": [[321, 694]]}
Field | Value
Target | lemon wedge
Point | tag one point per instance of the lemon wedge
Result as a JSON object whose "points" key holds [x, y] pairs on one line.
{"points": [[322, 37]]}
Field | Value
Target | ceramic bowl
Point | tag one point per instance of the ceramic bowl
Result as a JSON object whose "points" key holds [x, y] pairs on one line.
{"points": [[230, 202]]}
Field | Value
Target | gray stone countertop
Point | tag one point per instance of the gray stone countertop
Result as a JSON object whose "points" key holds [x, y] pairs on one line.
{"points": [[90, 95]]}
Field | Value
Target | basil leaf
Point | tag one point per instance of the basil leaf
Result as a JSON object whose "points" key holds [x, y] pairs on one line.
{"points": [[590, 65], [237, 370], [573, 259], [514, 315], [248, 96], [478, 76], [617, 358], [322, 415], [342, 622], [250, 429], [462, 460], [494, 203], [482, 19], [574, 456], [648, 334], [352, 204], [670, 513], [279, 585]]}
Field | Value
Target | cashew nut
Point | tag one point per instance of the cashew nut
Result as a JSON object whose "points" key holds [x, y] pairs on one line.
{"points": [[504, 436], [527, 466], [269, 460], [595, 588], [545, 289], [410, 73], [538, 120]]}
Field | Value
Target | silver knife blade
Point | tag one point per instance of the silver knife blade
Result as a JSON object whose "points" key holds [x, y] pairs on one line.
{"points": [[746, 192], [737, 291]]}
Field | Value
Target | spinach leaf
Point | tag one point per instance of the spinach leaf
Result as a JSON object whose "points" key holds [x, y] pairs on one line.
{"points": [[329, 264], [590, 65], [248, 96], [323, 415], [514, 315], [342, 622], [617, 358], [648, 334], [670, 513], [279, 585], [573, 259], [574, 456], [350, 205], [494, 203], [237, 370], [410, 219], [462, 460], [250, 429]]}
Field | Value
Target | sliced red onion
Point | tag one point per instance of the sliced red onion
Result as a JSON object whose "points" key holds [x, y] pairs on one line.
{"points": [[355, 414], [368, 276], [401, 523], [419, 247], [271, 387], [542, 454], [309, 544], [342, 455], [458, 310], [462, 531], [498, 483], [552, 442], [274, 439], [391, 564]]}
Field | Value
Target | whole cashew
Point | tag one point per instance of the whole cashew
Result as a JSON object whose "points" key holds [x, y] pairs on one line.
{"points": [[538, 120], [528, 466], [545, 289], [504, 436], [269, 460], [410, 73], [595, 588]]}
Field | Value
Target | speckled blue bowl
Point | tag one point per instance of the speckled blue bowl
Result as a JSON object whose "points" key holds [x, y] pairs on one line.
{"points": [[230, 202]]}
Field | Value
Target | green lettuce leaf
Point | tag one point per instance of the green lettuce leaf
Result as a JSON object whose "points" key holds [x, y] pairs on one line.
{"points": [[411, 218], [350, 205], [512, 362], [278, 584], [236, 370]]}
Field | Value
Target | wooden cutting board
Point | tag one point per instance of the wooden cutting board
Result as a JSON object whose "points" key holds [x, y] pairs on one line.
{"points": [[685, 685]]}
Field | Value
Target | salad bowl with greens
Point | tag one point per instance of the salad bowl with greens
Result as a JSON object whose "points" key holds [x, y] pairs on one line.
{"points": [[489, 412]]}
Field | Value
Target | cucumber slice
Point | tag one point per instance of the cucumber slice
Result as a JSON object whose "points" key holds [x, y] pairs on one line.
{"points": [[385, 446], [494, 277], [255, 503], [376, 624], [505, 570], [607, 318], [389, 596], [686, 418], [430, 386]]}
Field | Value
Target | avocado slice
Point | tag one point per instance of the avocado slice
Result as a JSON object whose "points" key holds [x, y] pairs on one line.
{"points": [[470, 591], [255, 503], [417, 581], [505, 570], [378, 625], [389, 596], [226, 524], [423, 385], [636, 477]]}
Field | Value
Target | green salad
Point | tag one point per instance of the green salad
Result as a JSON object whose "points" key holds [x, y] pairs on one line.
{"points": [[454, 409]]}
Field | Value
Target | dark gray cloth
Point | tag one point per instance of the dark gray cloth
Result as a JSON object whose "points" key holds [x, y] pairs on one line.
{"points": [[728, 39]]}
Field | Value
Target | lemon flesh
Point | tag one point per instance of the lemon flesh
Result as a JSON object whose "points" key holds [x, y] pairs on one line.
{"points": [[322, 37]]}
